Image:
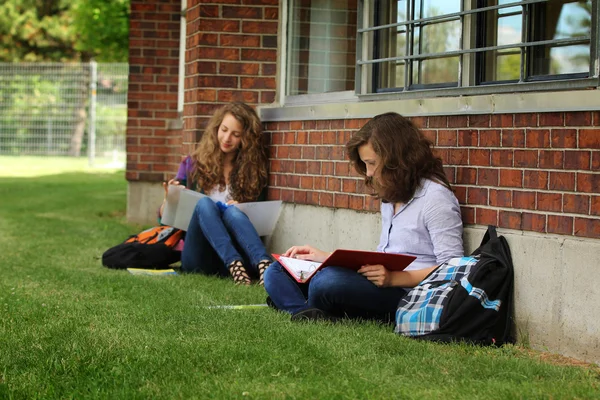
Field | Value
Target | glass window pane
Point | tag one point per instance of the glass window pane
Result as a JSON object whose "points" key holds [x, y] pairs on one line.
{"points": [[436, 71], [562, 20], [432, 8], [321, 53]]}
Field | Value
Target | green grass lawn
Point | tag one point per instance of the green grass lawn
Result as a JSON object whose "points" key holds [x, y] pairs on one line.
{"points": [[70, 328]]}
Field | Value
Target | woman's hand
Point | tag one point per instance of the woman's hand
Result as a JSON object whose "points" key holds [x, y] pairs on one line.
{"points": [[377, 274], [174, 182], [306, 252], [232, 202]]}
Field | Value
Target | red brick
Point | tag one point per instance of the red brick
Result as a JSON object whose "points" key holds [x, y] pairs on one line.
{"points": [[563, 138], [438, 122], [468, 215], [479, 121], [218, 25], [257, 83], [502, 121], [552, 119], [357, 202], [259, 55], [579, 118], [511, 177], [560, 224], [450, 173], [461, 193], [466, 176], [588, 182], [533, 222], [595, 160], [308, 153], [500, 198], [509, 219], [489, 138], [527, 119], [243, 12], [524, 200], [458, 121], [329, 137], [549, 201], [535, 179], [446, 137], [458, 157], [271, 12], [327, 168], [349, 185], [589, 138], [513, 138], [315, 138], [334, 184], [537, 138], [300, 197], [326, 199], [587, 227], [420, 122], [484, 216], [562, 181], [477, 196], [502, 158], [487, 176], [468, 138], [577, 204], [263, 27], [342, 169], [287, 195], [300, 167], [372, 203], [341, 200], [525, 158], [209, 11], [551, 159], [595, 205], [239, 68], [577, 160], [320, 183]]}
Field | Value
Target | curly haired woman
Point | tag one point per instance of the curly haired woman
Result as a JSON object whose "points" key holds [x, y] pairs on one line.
{"points": [[229, 165], [420, 217]]}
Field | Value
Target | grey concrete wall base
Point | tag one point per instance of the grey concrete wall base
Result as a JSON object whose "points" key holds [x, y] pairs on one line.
{"points": [[143, 199], [557, 284]]}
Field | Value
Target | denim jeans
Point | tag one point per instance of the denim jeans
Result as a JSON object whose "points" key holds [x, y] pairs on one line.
{"points": [[337, 291], [215, 238]]}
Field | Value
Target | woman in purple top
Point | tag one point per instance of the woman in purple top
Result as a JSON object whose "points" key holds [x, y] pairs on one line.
{"points": [[229, 166], [420, 216]]}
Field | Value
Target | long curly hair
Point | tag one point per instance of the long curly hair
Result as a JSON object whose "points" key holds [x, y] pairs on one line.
{"points": [[249, 175], [406, 157]]}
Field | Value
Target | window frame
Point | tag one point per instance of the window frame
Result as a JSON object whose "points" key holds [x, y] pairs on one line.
{"points": [[467, 77]]}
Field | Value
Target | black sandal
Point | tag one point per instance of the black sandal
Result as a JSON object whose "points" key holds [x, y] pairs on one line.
{"points": [[239, 274], [262, 267]]}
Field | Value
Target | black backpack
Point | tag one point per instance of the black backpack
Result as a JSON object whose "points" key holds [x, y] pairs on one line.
{"points": [[153, 248], [466, 299]]}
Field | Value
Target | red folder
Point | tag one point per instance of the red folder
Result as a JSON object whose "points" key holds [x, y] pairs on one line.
{"points": [[302, 271]]}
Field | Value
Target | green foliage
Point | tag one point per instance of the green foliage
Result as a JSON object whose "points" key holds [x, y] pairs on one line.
{"points": [[67, 30], [70, 328]]}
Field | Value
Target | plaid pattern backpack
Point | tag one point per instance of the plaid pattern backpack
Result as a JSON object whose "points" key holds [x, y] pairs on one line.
{"points": [[465, 299]]}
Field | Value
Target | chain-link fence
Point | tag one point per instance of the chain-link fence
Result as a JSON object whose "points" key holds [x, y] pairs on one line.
{"points": [[71, 109]]}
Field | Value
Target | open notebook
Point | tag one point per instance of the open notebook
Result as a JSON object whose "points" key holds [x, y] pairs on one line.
{"points": [[302, 270], [181, 203]]}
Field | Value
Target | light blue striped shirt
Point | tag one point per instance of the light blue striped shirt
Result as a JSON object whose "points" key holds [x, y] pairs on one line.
{"points": [[429, 226]]}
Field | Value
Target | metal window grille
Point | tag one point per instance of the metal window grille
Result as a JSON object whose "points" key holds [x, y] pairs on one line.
{"points": [[383, 55], [64, 109]]}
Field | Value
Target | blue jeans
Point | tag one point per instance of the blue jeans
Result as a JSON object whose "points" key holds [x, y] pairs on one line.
{"points": [[216, 238], [338, 291]]}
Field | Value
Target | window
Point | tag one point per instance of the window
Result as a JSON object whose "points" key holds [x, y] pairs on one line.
{"points": [[411, 45], [321, 41]]}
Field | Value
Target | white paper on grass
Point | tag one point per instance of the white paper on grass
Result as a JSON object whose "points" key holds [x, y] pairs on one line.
{"points": [[181, 203]]}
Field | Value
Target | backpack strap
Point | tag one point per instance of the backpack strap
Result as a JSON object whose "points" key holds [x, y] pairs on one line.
{"points": [[490, 234]]}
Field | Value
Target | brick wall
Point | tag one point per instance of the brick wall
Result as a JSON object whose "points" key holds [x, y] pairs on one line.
{"points": [[531, 172], [231, 54], [153, 145]]}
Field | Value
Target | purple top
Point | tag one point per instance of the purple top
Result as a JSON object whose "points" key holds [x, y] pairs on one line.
{"points": [[429, 227]]}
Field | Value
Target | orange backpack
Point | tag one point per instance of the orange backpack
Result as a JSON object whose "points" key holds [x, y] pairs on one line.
{"points": [[153, 248]]}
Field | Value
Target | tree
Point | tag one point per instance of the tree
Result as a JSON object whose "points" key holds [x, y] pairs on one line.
{"points": [[65, 30]]}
